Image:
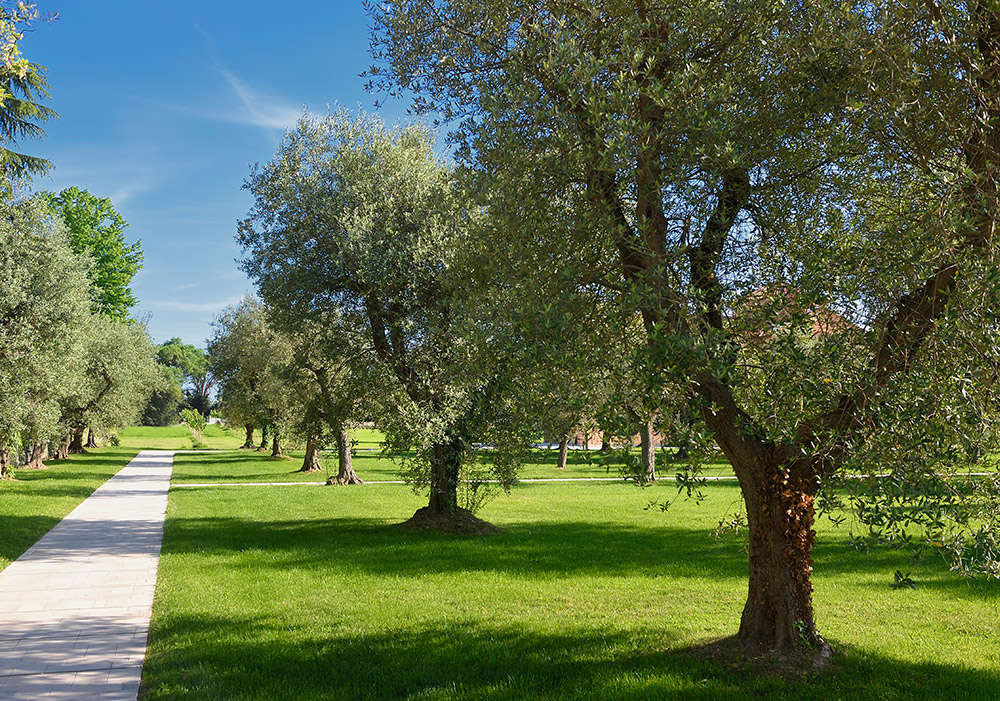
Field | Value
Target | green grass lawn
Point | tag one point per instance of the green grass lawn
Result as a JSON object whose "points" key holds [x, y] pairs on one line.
{"points": [[278, 592], [178, 437], [36, 500], [371, 464]]}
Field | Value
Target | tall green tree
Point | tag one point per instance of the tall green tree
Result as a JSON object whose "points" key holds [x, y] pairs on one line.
{"points": [[97, 230], [711, 149]]}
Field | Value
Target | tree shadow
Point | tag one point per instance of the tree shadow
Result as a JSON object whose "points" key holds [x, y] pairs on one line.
{"points": [[21, 532], [375, 546], [216, 657]]}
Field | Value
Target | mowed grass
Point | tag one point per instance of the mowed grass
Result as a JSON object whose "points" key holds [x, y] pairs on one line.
{"points": [[178, 437], [291, 593], [374, 465], [36, 500]]}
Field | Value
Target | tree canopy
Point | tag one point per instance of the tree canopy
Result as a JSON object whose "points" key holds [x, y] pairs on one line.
{"points": [[704, 157], [358, 226], [97, 230]]}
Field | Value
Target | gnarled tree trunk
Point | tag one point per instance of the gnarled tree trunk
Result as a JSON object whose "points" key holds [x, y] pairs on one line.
{"points": [[276, 451], [37, 455], [263, 440], [345, 473], [91, 439], [248, 444], [778, 614], [75, 442], [311, 461], [5, 472], [563, 452], [446, 460]]}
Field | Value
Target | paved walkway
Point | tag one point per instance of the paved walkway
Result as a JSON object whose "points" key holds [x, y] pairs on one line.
{"points": [[74, 608]]}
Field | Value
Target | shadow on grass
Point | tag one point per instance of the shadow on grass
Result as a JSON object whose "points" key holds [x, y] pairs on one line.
{"points": [[21, 532], [372, 546], [223, 658]]}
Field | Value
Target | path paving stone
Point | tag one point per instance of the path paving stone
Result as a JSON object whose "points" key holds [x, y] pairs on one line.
{"points": [[75, 608]]}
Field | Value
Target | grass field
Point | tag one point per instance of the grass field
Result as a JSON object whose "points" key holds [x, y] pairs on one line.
{"points": [[177, 437], [36, 500], [291, 593]]}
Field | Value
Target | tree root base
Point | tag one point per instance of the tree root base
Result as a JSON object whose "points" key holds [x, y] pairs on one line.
{"points": [[310, 470], [788, 665], [460, 522], [344, 481]]}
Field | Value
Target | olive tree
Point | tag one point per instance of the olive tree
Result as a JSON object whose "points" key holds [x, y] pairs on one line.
{"points": [[713, 149], [249, 360], [43, 303], [361, 225], [117, 375]]}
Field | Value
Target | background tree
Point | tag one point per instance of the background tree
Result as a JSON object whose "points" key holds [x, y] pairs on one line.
{"points": [[705, 149], [164, 404], [42, 308], [97, 230], [250, 359], [118, 375], [192, 367], [362, 224]]}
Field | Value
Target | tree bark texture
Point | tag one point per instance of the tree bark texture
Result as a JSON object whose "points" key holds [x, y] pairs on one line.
{"points": [[780, 512], [75, 442], [446, 459], [37, 456], [311, 461], [276, 450], [5, 472], [563, 452], [248, 444], [263, 440], [345, 472], [91, 439]]}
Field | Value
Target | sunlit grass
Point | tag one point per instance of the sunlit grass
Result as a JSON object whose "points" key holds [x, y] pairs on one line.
{"points": [[274, 592], [178, 437]]}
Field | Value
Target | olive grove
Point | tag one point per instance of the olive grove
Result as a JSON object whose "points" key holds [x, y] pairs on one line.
{"points": [[716, 154]]}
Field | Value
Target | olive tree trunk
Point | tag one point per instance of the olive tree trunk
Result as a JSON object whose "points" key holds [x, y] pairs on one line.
{"points": [[311, 461], [778, 492], [5, 472], [563, 452], [446, 461], [248, 444], [36, 457], [91, 439], [345, 472], [276, 448], [263, 440], [75, 442]]}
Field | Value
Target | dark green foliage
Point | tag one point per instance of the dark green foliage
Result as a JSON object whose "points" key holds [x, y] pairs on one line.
{"points": [[20, 114]]}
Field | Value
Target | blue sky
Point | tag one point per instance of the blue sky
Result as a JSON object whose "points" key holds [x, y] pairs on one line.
{"points": [[164, 105]]}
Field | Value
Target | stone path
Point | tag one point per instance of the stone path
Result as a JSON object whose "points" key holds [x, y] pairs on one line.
{"points": [[74, 608]]}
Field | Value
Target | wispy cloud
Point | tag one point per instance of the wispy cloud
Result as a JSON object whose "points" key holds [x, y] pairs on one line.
{"points": [[260, 109], [247, 105], [194, 307], [190, 286]]}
